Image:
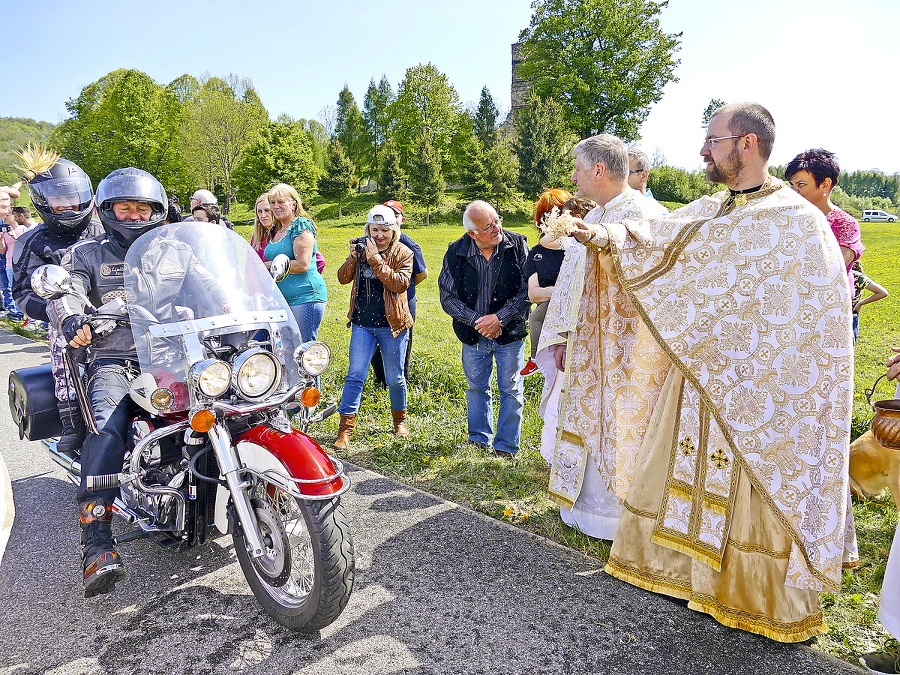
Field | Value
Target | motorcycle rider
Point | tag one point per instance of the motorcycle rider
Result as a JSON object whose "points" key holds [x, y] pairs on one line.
{"points": [[130, 202], [64, 197]]}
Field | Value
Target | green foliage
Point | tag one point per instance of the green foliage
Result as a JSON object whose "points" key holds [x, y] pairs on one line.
{"points": [[376, 118], [426, 104], [16, 133], [220, 122], [714, 104], [607, 62], [392, 183], [282, 152], [337, 183], [473, 174], [350, 130], [542, 145], [426, 179], [485, 123], [489, 174], [672, 184], [124, 119]]}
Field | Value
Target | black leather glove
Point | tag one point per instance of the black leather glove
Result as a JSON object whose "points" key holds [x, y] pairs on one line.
{"points": [[71, 325]]}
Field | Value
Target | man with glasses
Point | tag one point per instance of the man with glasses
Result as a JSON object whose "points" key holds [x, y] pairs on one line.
{"points": [[638, 175], [483, 288], [738, 500]]}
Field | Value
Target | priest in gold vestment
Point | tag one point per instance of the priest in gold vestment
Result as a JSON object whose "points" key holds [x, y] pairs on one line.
{"points": [[731, 453]]}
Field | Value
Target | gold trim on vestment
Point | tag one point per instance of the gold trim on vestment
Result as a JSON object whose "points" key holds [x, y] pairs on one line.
{"points": [[755, 623], [630, 287]]}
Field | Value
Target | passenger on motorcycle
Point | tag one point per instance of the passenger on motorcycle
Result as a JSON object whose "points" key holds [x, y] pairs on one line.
{"points": [[130, 202], [64, 197]]}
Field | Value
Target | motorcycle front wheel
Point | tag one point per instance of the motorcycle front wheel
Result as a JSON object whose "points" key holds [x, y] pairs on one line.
{"points": [[307, 586]]}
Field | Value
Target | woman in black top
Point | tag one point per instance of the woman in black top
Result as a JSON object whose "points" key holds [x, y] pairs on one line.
{"points": [[541, 269]]}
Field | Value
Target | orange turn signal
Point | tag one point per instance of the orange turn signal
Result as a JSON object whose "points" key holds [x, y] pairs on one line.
{"points": [[310, 397], [202, 420]]}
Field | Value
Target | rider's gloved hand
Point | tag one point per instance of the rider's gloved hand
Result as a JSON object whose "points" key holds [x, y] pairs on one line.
{"points": [[71, 326]]}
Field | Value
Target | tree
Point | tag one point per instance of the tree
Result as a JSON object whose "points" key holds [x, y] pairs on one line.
{"points": [[123, 119], [349, 129], [426, 177], [486, 119], [375, 115], [337, 183], [426, 104], [221, 122], [502, 171], [393, 179], [714, 104], [282, 152], [542, 145], [607, 62], [473, 174]]}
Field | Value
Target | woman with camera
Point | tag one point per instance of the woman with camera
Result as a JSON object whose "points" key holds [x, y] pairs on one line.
{"points": [[294, 234], [380, 268]]}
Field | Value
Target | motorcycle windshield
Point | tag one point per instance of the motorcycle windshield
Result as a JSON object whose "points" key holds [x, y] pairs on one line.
{"points": [[197, 291]]}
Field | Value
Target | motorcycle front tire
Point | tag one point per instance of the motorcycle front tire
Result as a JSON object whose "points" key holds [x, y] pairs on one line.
{"points": [[322, 559]]}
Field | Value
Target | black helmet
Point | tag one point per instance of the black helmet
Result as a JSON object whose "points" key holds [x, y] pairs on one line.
{"points": [[130, 185], [64, 197]]}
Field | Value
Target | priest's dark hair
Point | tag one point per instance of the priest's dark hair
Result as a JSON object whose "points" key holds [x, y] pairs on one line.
{"points": [[819, 162], [751, 118]]}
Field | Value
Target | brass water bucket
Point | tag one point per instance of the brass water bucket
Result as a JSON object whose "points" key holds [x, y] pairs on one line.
{"points": [[886, 423]]}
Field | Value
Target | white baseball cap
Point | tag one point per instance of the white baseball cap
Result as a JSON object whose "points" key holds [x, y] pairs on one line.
{"points": [[383, 215]]}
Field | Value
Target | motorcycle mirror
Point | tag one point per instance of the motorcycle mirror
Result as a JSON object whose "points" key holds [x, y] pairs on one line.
{"points": [[51, 282], [280, 267]]}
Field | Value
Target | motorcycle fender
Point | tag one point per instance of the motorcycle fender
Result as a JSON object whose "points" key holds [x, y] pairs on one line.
{"points": [[294, 454]]}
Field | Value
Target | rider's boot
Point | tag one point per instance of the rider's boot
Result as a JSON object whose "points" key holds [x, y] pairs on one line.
{"points": [[73, 431], [345, 430], [102, 565], [400, 423]]}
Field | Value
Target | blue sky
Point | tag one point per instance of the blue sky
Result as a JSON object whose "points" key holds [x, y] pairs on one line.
{"points": [[826, 70]]}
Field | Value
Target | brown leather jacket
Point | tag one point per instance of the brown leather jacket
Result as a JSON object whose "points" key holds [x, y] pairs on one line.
{"points": [[394, 270]]}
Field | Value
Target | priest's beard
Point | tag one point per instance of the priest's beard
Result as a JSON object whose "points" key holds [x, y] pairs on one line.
{"points": [[728, 170]]}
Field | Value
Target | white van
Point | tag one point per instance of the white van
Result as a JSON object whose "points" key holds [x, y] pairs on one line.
{"points": [[876, 216]]}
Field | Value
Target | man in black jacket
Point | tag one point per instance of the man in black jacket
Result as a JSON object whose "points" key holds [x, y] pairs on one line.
{"points": [[484, 289]]}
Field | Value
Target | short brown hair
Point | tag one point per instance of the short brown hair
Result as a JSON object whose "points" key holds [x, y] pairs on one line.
{"points": [[751, 118]]}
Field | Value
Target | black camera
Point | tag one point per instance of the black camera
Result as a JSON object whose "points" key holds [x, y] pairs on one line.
{"points": [[360, 245], [4, 227]]}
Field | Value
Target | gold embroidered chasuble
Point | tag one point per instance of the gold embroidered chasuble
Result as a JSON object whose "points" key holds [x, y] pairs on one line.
{"points": [[748, 298], [615, 368]]}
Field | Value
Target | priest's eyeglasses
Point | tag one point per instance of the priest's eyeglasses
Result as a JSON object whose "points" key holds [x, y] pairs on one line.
{"points": [[711, 142]]}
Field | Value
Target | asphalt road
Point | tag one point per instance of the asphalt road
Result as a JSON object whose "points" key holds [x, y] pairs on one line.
{"points": [[439, 589]]}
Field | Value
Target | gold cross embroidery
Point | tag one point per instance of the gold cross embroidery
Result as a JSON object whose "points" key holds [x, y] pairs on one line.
{"points": [[687, 446], [719, 458]]}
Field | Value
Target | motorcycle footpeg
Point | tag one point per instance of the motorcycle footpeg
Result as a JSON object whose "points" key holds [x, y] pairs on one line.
{"points": [[130, 535], [108, 482], [323, 414]]}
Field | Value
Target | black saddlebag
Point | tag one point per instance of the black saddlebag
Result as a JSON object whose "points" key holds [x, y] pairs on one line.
{"points": [[32, 402]]}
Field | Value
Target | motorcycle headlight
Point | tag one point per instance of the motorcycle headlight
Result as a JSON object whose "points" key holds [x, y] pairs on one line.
{"points": [[313, 358], [212, 377], [256, 373]]}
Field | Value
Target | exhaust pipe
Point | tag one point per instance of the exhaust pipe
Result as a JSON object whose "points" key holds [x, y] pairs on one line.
{"points": [[71, 465]]}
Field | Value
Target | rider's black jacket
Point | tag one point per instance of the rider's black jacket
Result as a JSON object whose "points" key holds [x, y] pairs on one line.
{"points": [[168, 271], [42, 246]]}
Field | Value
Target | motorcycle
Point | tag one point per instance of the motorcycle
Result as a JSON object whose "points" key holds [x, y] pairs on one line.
{"points": [[212, 447]]}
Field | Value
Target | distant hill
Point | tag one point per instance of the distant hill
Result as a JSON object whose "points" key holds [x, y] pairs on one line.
{"points": [[16, 132]]}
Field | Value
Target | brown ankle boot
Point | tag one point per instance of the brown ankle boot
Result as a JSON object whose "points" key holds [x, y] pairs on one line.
{"points": [[345, 431], [400, 423]]}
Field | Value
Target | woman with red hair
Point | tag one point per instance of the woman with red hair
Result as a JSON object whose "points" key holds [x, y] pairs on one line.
{"points": [[541, 269]]}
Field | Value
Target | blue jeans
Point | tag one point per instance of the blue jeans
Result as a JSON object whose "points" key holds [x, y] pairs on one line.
{"points": [[309, 317], [855, 328], [362, 345], [478, 365], [6, 286]]}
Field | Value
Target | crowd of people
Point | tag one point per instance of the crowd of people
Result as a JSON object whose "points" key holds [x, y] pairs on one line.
{"points": [[697, 364]]}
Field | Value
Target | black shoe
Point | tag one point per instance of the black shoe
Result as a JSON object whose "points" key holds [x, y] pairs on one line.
{"points": [[102, 565], [101, 572]]}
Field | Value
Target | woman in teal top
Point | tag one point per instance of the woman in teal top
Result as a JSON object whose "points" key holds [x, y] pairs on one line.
{"points": [[294, 234]]}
